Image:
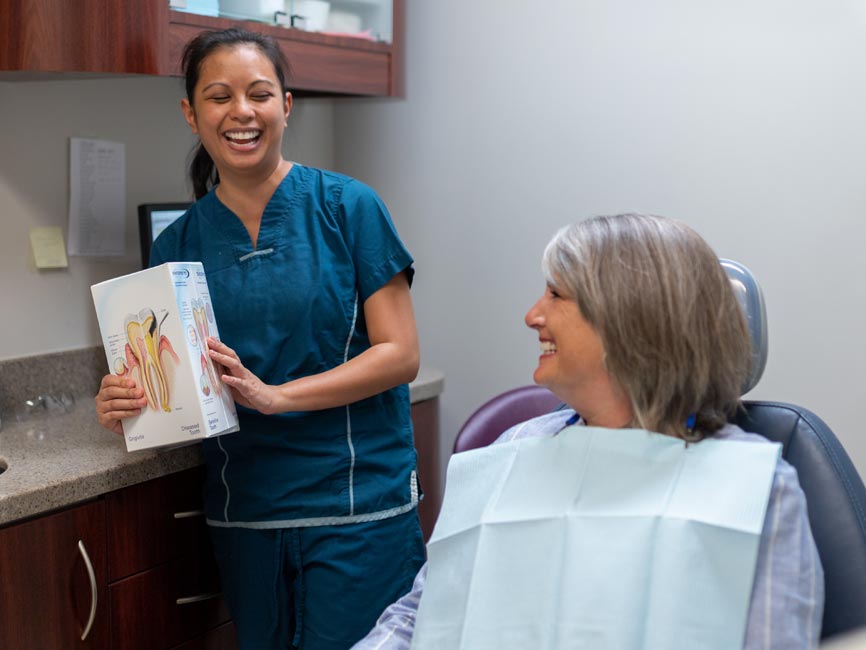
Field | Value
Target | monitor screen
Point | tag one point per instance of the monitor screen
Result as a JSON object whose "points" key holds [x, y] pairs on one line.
{"points": [[153, 218]]}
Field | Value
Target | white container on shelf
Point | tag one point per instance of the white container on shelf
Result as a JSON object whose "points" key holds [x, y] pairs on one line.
{"points": [[345, 22], [310, 15], [368, 18]]}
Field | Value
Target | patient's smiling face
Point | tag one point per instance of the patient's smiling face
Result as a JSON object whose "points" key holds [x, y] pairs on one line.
{"points": [[572, 355]]}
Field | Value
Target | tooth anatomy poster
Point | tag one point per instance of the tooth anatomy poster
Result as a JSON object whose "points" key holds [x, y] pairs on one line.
{"points": [[154, 326]]}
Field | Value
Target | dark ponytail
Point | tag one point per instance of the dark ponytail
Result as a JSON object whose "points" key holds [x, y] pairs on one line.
{"points": [[202, 172]]}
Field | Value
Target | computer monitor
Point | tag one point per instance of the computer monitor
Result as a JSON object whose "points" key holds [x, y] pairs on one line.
{"points": [[153, 218]]}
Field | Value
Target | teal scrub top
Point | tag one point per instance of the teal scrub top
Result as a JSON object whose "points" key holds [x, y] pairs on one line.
{"points": [[291, 307]]}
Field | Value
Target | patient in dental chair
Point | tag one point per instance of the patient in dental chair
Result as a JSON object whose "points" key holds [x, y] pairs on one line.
{"points": [[638, 517]]}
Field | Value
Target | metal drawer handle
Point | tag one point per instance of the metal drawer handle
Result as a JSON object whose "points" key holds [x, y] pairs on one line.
{"points": [[197, 599], [189, 513], [93, 593]]}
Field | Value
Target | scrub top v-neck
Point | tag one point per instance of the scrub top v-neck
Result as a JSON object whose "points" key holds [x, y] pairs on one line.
{"points": [[291, 307]]}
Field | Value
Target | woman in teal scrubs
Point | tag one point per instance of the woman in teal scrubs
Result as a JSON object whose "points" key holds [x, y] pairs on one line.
{"points": [[312, 504]]}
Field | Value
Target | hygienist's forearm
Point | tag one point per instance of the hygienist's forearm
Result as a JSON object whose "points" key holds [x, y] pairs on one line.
{"points": [[377, 369]]}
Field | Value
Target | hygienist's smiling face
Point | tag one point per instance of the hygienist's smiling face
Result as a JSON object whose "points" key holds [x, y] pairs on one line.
{"points": [[239, 110], [571, 364]]}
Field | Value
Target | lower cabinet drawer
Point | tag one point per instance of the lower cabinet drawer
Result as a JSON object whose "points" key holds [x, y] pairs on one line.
{"points": [[167, 605], [223, 637], [154, 522]]}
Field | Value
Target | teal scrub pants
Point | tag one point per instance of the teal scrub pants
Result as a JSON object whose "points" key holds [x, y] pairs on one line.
{"points": [[317, 588]]}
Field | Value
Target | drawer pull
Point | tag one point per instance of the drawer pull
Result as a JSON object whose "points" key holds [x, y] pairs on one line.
{"points": [[197, 599], [93, 591], [189, 513]]}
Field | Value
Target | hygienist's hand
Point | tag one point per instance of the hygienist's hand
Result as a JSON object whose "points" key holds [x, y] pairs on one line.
{"points": [[118, 398], [247, 389]]}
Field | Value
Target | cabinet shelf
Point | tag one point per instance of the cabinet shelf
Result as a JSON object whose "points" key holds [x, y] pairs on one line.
{"points": [[56, 39], [320, 63]]}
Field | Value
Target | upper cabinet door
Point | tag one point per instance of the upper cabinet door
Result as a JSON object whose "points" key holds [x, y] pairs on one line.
{"points": [[83, 36]]}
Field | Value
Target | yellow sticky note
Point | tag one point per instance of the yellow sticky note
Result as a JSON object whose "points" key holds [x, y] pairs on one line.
{"points": [[49, 250]]}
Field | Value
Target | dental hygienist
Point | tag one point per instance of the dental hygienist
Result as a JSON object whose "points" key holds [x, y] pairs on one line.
{"points": [[646, 521], [312, 504]]}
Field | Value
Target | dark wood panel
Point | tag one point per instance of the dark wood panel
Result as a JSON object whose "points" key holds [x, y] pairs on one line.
{"points": [[319, 63], [223, 637], [143, 529], [144, 609], [323, 68], [425, 420], [45, 593], [85, 35]]}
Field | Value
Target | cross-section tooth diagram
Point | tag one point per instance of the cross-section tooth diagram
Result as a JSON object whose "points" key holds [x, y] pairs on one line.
{"points": [[150, 358], [155, 326]]}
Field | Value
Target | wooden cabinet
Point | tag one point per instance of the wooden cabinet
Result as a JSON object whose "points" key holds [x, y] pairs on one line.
{"points": [[146, 37], [53, 577], [320, 64], [425, 420], [219, 638], [166, 511], [155, 584], [83, 36], [163, 582], [134, 568]]}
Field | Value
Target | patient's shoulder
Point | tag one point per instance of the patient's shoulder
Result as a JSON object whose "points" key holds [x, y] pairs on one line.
{"points": [[733, 432], [785, 472], [542, 426]]}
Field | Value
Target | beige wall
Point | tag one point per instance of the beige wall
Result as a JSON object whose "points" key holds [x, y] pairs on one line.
{"points": [[745, 119], [47, 311]]}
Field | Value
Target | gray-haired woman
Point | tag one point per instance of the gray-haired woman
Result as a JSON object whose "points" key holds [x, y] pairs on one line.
{"points": [[639, 332]]}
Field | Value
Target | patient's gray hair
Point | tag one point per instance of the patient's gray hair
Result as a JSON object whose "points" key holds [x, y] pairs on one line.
{"points": [[674, 335]]}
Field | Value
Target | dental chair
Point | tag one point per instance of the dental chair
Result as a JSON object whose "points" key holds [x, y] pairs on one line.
{"points": [[835, 493], [502, 412]]}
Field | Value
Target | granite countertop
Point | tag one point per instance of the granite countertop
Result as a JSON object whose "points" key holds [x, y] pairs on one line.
{"points": [[56, 461]]}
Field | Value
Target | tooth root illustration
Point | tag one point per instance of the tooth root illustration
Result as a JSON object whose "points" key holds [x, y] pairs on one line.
{"points": [[168, 360], [199, 315], [150, 329], [131, 360], [144, 350], [165, 346], [135, 337], [215, 381], [205, 385]]}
